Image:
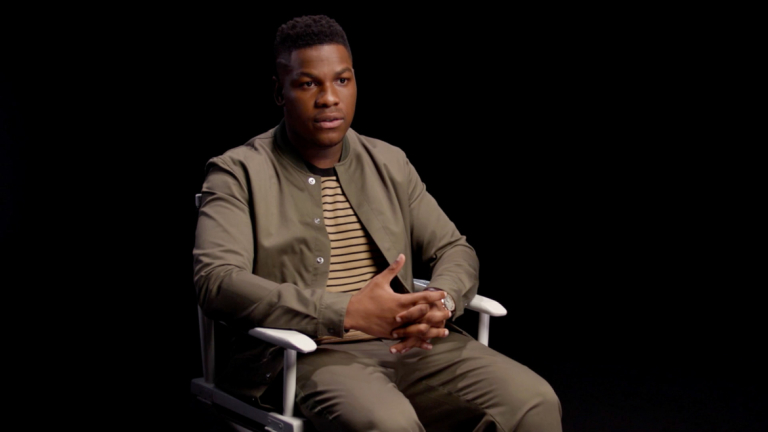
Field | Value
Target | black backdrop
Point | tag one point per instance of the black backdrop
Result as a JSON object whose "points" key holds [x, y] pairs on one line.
{"points": [[554, 139]]}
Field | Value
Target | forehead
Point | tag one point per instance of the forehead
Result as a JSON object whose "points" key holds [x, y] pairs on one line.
{"points": [[317, 59]]}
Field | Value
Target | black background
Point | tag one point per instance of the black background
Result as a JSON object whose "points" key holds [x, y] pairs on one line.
{"points": [[563, 144]]}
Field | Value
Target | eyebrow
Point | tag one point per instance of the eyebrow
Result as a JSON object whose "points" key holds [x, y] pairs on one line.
{"points": [[310, 75]]}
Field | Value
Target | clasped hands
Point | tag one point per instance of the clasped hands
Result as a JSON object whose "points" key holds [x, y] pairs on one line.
{"points": [[415, 317]]}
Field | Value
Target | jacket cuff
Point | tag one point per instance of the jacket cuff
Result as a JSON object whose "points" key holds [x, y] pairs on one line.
{"points": [[333, 309]]}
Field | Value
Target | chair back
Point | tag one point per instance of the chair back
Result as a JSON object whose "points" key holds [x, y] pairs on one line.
{"points": [[206, 331]]}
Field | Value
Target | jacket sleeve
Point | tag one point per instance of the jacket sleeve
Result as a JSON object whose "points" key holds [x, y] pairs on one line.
{"points": [[224, 257], [436, 241]]}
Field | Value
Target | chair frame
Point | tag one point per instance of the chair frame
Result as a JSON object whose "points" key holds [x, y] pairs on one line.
{"points": [[293, 342]]}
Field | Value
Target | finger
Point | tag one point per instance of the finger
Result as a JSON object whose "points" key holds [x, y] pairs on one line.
{"points": [[390, 272], [418, 330], [413, 314], [422, 331], [435, 317], [423, 297], [406, 345]]}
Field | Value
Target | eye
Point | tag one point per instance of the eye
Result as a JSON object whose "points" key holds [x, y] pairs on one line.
{"points": [[307, 84], [343, 80]]}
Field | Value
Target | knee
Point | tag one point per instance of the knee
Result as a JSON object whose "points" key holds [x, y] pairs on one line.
{"points": [[544, 395], [524, 390], [541, 410], [527, 402], [347, 413], [373, 420], [394, 422]]}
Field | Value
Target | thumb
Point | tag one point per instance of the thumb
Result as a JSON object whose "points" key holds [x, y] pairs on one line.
{"points": [[390, 272]]}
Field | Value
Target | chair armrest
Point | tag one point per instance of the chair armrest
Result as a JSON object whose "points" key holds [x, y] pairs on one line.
{"points": [[289, 339], [485, 305]]}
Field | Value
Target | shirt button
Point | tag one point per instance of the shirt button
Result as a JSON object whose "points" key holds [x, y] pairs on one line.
{"points": [[330, 330], [311, 180], [317, 220], [320, 260]]}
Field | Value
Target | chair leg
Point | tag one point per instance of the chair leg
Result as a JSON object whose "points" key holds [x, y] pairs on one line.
{"points": [[289, 382], [206, 346], [483, 328]]}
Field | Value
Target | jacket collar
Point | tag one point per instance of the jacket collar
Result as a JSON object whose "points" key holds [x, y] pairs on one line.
{"points": [[352, 176], [288, 150]]}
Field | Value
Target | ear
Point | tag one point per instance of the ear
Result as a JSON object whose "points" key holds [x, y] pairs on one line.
{"points": [[278, 95]]}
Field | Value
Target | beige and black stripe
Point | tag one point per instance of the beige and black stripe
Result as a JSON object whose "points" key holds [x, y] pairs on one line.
{"points": [[355, 259]]}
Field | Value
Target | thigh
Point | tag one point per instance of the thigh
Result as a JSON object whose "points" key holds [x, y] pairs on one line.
{"points": [[339, 390], [461, 375]]}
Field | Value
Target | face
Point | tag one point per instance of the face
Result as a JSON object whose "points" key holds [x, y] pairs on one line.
{"points": [[318, 86]]}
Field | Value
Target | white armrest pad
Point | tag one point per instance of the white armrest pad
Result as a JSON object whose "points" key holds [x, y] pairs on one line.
{"points": [[486, 305], [420, 284], [290, 339]]}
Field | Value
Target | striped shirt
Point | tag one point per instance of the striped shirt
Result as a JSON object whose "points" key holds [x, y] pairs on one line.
{"points": [[355, 258]]}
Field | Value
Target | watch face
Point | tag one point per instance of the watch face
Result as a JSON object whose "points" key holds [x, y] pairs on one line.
{"points": [[448, 302]]}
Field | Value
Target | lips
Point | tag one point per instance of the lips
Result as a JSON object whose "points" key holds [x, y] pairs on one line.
{"points": [[329, 121]]}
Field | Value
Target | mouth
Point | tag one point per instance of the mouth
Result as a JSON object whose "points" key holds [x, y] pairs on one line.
{"points": [[329, 121]]}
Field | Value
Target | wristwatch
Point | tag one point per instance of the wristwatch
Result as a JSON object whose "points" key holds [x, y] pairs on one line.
{"points": [[448, 302]]}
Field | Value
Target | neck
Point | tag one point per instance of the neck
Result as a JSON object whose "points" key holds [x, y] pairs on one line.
{"points": [[321, 157]]}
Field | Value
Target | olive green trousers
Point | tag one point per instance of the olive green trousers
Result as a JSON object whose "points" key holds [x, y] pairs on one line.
{"points": [[459, 385]]}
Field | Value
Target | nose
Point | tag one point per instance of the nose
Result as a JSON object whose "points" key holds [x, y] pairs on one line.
{"points": [[328, 96]]}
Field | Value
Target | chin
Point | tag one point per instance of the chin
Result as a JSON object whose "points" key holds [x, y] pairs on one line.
{"points": [[329, 139]]}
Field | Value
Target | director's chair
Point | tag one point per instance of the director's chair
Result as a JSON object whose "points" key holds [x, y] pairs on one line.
{"points": [[292, 342]]}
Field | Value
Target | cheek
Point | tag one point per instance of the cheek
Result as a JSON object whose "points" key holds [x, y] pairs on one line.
{"points": [[351, 100], [297, 108]]}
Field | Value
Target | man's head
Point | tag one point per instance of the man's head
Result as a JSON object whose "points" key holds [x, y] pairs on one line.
{"points": [[315, 83]]}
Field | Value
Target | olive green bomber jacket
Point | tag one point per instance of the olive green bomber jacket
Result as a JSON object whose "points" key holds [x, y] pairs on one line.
{"points": [[262, 253]]}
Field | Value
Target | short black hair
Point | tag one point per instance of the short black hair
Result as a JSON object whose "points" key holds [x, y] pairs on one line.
{"points": [[307, 31]]}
